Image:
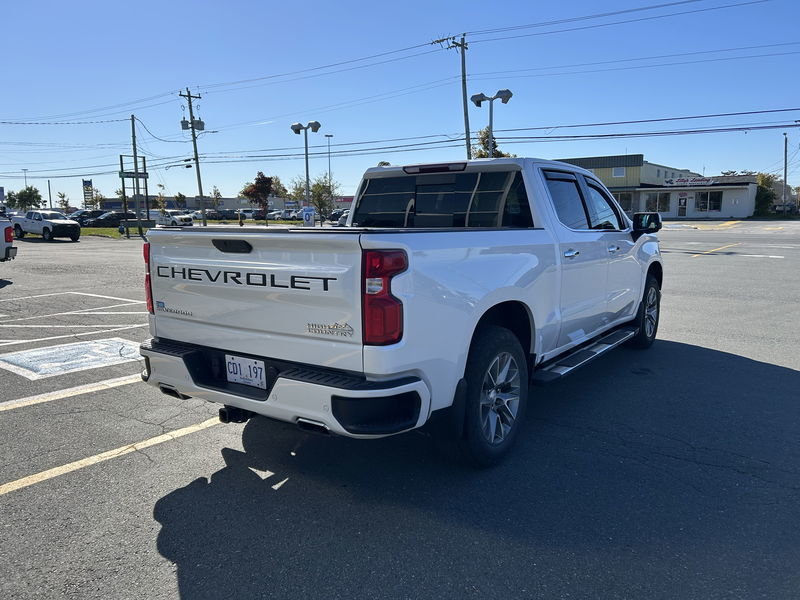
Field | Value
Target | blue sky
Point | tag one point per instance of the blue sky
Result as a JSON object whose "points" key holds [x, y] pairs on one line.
{"points": [[103, 61]]}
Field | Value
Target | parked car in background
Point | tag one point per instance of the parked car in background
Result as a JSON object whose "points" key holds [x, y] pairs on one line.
{"points": [[335, 214], [343, 219], [47, 223], [784, 209], [84, 214], [110, 219], [7, 250], [211, 215], [170, 218], [227, 215], [260, 214]]}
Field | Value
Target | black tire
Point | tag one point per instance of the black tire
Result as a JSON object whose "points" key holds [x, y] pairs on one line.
{"points": [[648, 316], [75, 238], [18, 233], [496, 398], [47, 236]]}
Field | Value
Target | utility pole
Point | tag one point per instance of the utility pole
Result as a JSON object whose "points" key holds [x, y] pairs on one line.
{"points": [[189, 98], [135, 180], [785, 168], [49, 194], [462, 46]]}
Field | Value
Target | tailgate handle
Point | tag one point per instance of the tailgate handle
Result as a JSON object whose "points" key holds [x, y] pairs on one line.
{"points": [[233, 246]]}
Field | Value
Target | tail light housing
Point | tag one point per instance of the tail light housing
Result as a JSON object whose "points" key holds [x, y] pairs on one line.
{"points": [[9, 234], [148, 289], [382, 313]]}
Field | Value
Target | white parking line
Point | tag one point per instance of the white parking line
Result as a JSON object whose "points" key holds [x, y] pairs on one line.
{"points": [[760, 256], [76, 293], [104, 456], [69, 392], [64, 326], [82, 311], [70, 335]]}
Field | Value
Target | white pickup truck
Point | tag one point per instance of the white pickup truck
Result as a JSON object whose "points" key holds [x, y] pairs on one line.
{"points": [[7, 250], [47, 223], [451, 284]]}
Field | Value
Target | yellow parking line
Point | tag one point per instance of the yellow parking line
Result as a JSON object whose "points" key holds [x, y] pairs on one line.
{"points": [[69, 392], [98, 458], [716, 249]]}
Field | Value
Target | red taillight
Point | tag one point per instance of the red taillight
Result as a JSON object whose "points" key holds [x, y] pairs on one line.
{"points": [[382, 313], [9, 234], [148, 290]]}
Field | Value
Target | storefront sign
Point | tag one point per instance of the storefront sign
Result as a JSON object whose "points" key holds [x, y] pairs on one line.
{"points": [[686, 181]]}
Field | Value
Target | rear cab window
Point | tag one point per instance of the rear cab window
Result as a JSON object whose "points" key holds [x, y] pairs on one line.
{"points": [[485, 199]]}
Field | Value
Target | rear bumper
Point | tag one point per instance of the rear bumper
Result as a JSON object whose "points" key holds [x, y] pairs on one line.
{"points": [[345, 403], [9, 254]]}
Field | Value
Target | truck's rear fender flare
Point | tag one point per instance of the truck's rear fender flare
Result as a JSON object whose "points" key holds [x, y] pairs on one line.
{"points": [[515, 316]]}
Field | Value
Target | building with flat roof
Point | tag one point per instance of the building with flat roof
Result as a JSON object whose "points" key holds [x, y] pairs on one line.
{"points": [[642, 186]]}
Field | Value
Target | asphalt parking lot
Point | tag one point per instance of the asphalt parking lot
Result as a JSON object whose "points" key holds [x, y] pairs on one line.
{"points": [[667, 473]]}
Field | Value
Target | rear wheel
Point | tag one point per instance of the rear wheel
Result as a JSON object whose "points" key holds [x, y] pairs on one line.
{"points": [[18, 233], [496, 398], [648, 316], [75, 237], [47, 236]]}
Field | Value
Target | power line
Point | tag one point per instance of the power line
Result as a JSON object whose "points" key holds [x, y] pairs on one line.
{"points": [[596, 26], [60, 122], [581, 18], [159, 138]]}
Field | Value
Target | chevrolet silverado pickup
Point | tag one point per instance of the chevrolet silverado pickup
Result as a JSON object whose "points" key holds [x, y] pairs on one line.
{"points": [[47, 223], [450, 288], [7, 250]]}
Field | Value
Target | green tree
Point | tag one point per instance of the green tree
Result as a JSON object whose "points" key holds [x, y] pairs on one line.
{"points": [[765, 194], [180, 200], [481, 149], [297, 189], [216, 196], [278, 189], [63, 201], [28, 198], [322, 194], [11, 199]]}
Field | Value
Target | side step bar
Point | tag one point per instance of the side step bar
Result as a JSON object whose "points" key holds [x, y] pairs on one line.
{"points": [[564, 365]]}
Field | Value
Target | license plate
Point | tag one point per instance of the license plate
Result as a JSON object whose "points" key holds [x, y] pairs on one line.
{"points": [[247, 371]]}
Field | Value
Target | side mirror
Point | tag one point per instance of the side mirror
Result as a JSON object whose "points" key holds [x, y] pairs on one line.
{"points": [[645, 222]]}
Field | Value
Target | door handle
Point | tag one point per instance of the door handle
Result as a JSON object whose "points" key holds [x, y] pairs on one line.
{"points": [[613, 249], [571, 253]]}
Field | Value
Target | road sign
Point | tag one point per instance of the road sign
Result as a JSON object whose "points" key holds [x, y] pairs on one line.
{"points": [[132, 175]]}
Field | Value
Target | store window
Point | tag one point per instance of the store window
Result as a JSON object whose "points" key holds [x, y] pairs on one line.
{"points": [[657, 202], [658, 173], [618, 172], [625, 201], [708, 201]]}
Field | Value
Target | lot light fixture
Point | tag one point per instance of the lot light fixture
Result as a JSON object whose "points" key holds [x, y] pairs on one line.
{"points": [[477, 99]]}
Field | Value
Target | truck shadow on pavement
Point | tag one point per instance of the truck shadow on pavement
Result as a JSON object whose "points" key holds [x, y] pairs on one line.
{"points": [[636, 472]]}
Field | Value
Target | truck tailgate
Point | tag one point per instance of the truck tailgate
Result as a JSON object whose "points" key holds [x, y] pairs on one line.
{"points": [[289, 294]]}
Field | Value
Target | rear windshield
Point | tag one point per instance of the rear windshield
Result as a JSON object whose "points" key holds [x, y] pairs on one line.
{"points": [[490, 199]]}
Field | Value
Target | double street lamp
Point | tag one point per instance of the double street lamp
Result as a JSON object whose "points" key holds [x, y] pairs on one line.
{"points": [[297, 128], [504, 96]]}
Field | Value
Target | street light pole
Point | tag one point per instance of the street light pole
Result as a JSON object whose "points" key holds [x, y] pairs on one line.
{"points": [[25, 175], [297, 128]]}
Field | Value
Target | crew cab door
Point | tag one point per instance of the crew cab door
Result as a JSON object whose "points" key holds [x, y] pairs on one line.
{"points": [[34, 223], [623, 287], [584, 260]]}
